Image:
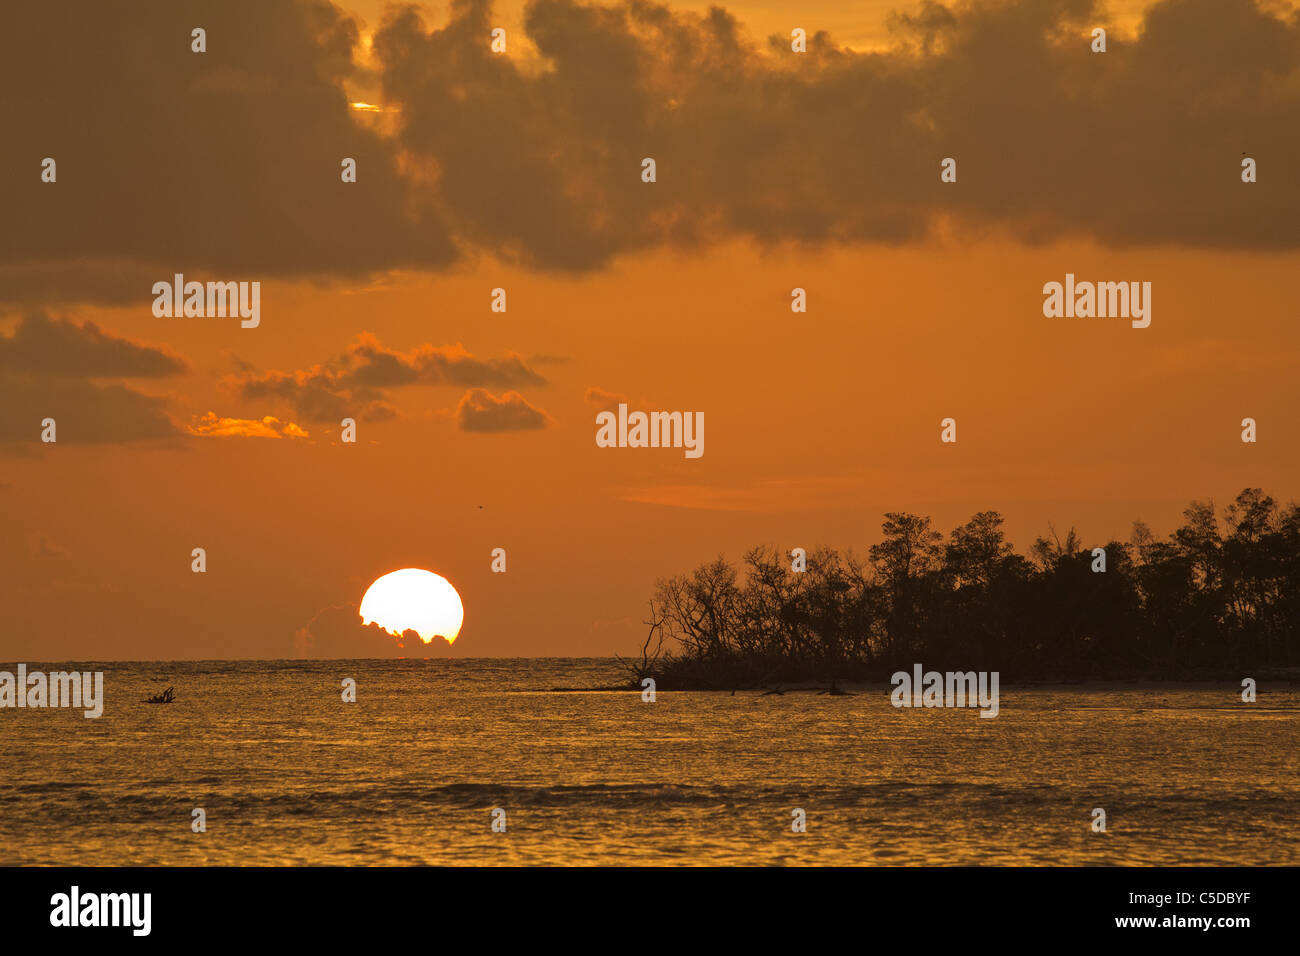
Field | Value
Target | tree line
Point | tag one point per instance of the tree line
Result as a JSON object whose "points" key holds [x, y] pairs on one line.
{"points": [[1215, 597]]}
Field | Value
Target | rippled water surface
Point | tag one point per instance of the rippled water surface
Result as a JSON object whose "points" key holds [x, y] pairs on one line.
{"points": [[287, 773]]}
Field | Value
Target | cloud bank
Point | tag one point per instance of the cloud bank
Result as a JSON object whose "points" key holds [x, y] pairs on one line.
{"points": [[353, 384], [170, 160]]}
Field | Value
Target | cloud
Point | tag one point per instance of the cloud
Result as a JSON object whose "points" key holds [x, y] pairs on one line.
{"points": [[370, 363], [46, 368], [602, 400], [317, 394], [480, 411], [212, 425], [84, 412], [606, 401], [337, 632], [752, 140], [172, 161], [41, 345], [175, 161], [352, 384]]}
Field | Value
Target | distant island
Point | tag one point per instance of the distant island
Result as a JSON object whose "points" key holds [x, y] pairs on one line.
{"points": [[1214, 600]]}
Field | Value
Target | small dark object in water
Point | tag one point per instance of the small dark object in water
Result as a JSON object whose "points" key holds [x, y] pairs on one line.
{"points": [[166, 697], [771, 692]]}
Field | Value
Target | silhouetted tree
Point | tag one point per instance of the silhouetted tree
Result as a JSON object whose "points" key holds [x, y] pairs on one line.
{"points": [[1212, 596]]}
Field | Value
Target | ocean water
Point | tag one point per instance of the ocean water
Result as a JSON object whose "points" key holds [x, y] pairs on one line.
{"points": [[288, 773]]}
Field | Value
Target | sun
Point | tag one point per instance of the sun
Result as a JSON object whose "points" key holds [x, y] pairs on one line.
{"points": [[413, 599]]}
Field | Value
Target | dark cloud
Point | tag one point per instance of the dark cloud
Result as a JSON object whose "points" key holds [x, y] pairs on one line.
{"points": [[601, 399], [225, 164], [370, 363], [84, 412], [545, 359], [49, 368], [337, 632], [1141, 144], [604, 400], [317, 394], [41, 345], [351, 385], [481, 411], [46, 371]]}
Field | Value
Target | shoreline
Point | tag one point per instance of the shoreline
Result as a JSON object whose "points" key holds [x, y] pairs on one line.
{"points": [[1099, 685]]}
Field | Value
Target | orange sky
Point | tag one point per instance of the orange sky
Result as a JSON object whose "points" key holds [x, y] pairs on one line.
{"points": [[816, 424]]}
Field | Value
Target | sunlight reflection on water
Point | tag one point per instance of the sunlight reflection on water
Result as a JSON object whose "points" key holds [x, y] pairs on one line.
{"points": [[287, 773]]}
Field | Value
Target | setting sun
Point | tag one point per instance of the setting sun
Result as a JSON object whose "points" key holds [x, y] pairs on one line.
{"points": [[413, 599]]}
